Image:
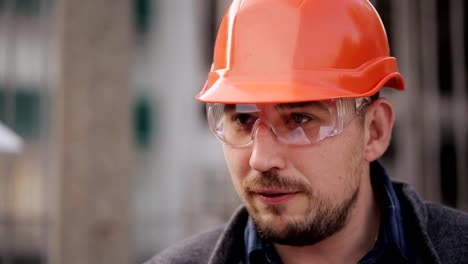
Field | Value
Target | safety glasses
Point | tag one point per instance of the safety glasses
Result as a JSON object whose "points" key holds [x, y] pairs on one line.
{"points": [[301, 123]]}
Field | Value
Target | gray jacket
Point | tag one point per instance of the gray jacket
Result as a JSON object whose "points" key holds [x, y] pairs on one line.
{"points": [[438, 235]]}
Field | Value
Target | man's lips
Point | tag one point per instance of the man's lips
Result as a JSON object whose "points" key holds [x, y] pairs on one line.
{"points": [[274, 196]]}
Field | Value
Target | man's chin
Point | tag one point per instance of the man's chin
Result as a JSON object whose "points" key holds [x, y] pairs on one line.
{"points": [[281, 232], [274, 220], [290, 226]]}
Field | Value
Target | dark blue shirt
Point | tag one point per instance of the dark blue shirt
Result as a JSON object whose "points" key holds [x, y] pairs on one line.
{"points": [[390, 246]]}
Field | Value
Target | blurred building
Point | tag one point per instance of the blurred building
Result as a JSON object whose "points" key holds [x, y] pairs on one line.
{"points": [[25, 93], [180, 184]]}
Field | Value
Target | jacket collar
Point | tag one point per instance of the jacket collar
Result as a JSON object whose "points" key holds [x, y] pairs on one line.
{"points": [[230, 246], [415, 209]]}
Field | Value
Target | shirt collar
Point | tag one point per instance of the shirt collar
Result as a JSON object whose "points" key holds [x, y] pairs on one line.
{"points": [[390, 239], [391, 236], [258, 251]]}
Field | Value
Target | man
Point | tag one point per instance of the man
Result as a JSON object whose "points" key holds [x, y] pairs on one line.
{"points": [[293, 94]]}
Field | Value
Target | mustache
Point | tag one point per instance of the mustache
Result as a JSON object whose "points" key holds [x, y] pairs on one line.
{"points": [[272, 179]]}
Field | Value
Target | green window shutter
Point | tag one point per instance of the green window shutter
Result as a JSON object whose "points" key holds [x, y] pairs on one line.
{"points": [[27, 7], [142, 122], [2, 104], [142, 15], [27, 112]]}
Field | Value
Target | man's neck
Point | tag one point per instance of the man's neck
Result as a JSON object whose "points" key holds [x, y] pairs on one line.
{"points": [[350, 244]]}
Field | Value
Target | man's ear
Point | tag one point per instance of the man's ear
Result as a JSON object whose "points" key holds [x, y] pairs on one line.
{"points": [[378, 126]]}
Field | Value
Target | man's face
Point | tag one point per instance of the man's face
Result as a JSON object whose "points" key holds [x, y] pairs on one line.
{"points": [[299, 195]]}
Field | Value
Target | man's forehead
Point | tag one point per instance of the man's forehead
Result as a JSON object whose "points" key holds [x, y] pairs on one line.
{"points": [[304, 104], [258, 107]]}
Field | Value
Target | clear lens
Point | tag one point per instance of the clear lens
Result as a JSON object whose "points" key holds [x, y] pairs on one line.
{"points": [[293, 123]]}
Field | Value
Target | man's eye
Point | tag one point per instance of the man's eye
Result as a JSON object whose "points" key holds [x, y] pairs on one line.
{"points": [[243, 119], [298, 118]]}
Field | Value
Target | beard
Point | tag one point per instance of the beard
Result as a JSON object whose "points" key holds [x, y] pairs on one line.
{"points": [[322, 217]]}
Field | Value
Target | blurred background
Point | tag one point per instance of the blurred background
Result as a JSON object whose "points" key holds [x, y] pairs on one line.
{"points": [[113, 161]]}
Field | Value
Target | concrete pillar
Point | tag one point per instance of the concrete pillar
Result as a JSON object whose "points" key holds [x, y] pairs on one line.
{"points": [[460, 106], [93, 164], [408, 159], [429, 100]]}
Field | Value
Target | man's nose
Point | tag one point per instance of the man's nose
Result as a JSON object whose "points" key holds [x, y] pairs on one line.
{"points": [[266, 150]]}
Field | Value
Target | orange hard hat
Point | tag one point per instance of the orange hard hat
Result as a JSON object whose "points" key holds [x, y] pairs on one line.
{"points": [[272, 51]]}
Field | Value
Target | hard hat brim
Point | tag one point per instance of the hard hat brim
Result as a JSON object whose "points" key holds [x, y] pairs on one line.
{"points": [[299, 86]]}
